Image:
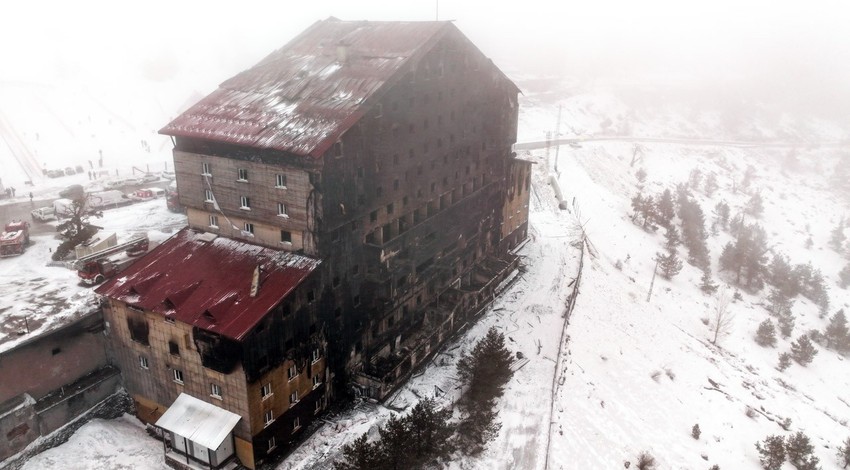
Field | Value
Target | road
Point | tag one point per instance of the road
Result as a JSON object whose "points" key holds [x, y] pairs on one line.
{"points": [[672, 140], [21, 210]]}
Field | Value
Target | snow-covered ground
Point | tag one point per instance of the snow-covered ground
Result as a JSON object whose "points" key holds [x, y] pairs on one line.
{"points": [[37, 296], [634, 375]]}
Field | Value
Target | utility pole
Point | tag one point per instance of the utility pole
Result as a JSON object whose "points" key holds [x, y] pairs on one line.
{"points": [[557, 138], [548, 144], [652, 283]]}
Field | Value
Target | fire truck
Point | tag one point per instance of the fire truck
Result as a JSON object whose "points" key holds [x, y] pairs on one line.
{"points": [[102, 265], [14, 238]]}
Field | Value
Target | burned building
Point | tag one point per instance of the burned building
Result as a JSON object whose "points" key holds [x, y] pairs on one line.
{"points": [[210, 331], [377, 155], [383, 149]]}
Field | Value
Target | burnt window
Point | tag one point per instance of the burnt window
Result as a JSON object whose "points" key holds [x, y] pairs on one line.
{"points": [[355, 269], [311, 295], [173, 348], [138, 330], [373, 216], [390, 208], [337, 312], [356, 300], [336, 150], [335, 281], [379, 191], [404, 201], [285, 236], [56, 351]]}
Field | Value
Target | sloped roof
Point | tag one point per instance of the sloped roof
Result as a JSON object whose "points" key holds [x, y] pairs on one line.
{"points": [[204, 281], [198, 421], [304, 96]]}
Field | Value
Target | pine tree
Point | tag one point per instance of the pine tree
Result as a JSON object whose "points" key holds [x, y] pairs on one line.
{"points": [[721, 214], [359, 455], [672, 238], [487, 368], [798, 449], [766, 334], [693, 232], [844, 453], [780, 274], [771, 452], [669, 264], [837, 238], [711, 184], [844, 277], [705, 282], [695, 178], [665, 208], [802, 350], [836, 332], [786, 324], [429, 431], [395, 443], [755, 206], [780, 302], [784, 361]]}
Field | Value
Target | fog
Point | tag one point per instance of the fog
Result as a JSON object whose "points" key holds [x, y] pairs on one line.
{"points": [[794, 55]]}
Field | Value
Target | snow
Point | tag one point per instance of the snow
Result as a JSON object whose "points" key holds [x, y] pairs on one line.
{"points": [[38, 296], [632, 375]]}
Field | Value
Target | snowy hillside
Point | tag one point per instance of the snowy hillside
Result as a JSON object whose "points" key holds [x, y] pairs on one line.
{"points": [[634, 375]]}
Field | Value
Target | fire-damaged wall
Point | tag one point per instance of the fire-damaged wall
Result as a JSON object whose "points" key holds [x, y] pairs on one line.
{"points": [[413, 196]]}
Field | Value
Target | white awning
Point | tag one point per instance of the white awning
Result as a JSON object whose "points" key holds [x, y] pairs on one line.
{"points": [[198, 421]]}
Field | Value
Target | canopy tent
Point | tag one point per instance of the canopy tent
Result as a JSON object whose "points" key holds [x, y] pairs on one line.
{"points": [[198, 421]]}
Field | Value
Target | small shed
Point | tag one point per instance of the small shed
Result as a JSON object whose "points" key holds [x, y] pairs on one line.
{"points": [[199, 432]]}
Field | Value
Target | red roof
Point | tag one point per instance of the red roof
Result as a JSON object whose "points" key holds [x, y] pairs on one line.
{"points": [[304, 96], [195, 278]]}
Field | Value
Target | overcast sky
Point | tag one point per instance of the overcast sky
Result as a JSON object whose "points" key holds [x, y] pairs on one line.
{"points": [[786, 48]]}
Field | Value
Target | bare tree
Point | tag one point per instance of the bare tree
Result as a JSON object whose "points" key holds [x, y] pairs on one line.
{"points": [[722, 317]]}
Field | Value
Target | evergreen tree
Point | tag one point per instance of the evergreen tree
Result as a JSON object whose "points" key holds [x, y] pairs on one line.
{"points": [[802, 350], [784, 361], [669, 264], [359, 455], [644, 209], [786, 324], [836, 332], [837, 238], [798, 449], [673, 239], [780, 274], [780, 303], [429, 431], [755, 206], [705, 282], [771, 452], [693, 232], [478, 429], [665, 208], [766, 334], [711, 184], [695, 178], [721, 214], [844, 453], [844, 277], [395, 443], [486, 368], [641, 177]]}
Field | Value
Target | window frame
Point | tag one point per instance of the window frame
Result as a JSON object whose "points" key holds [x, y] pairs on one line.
{"points": [[266, 391], [296, 423], [291, 373], [288, 235], [177, 376], [281, 210], [248, 227], [244, 203], [268, 418], [242, 175], [293, 398], [143, 362], [213, 221], [280, 180], [208, 196], [214, 387], [206, 169]]}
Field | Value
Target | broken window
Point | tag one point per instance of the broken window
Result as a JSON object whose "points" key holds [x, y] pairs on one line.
{"points": [[138, 330]]}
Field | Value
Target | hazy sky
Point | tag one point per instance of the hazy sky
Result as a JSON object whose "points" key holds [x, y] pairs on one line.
{"points": [[783, 47]]}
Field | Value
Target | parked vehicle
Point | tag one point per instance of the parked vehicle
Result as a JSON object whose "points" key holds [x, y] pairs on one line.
{"points": [[70, 171], [15, 238], [64, 208], [102, 265], [150, 178], [172, 199], [72, 192], [43, 214], [79, 168], [56, 173], [146, 194], [169, 175]]}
